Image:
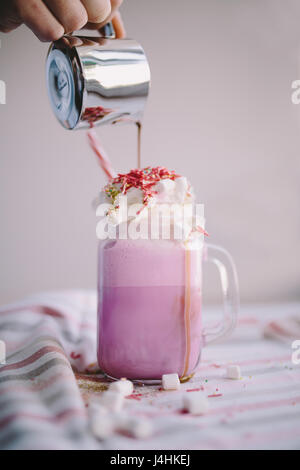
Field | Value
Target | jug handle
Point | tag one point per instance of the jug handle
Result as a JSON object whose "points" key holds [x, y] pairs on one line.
{"points": [[230, 290], [107, 31]]}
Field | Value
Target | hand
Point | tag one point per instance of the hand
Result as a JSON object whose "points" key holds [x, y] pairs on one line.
{"points": [[51, 19]]}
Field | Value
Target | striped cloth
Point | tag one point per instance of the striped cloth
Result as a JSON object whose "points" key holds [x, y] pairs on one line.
{"points": [[40, 403], [50, 376]]}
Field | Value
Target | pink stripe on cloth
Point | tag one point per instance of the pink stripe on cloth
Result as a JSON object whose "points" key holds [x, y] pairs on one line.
{"points": [[257, 406], [51, 312], [64, 415], [30, 360], [34, 387], [283, 329], [248, 362]]}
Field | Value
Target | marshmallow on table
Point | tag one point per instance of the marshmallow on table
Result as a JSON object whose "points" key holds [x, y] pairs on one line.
{"points": [[95, 405], [138, 427], [111, 400], [101, 423], [123, 386], [195, 403], [233, 372], [170, 382]]}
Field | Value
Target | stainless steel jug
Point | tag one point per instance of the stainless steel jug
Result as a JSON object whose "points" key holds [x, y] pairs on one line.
{"points": [[97, 80]]}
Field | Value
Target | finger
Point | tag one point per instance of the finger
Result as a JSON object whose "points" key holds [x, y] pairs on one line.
{"points": [[40, 20], [97, 10], [118, 26], [72, 41], [70, 13], [9, 18], [115, 4]]}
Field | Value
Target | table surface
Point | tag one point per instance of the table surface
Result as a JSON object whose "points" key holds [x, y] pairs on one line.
{"points": [[259, 411], [42, 406]]}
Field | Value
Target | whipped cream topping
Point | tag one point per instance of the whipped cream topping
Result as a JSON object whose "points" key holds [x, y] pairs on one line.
{"points": [[149, 188]]}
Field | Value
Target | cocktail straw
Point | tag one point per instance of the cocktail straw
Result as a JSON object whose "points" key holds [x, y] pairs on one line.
{"points": [[101, 155]]}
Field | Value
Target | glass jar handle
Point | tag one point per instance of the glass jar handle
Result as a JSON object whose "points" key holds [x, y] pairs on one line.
{"points": [[230, 290]]}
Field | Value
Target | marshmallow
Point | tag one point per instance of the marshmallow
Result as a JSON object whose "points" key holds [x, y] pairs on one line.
{"points": [[170, 382], [111, 400], [233, 372], [123, 386], [95, 405], [101, 424], [139, 428], [181, 189], [133, 196], [195, 403], [165, 186]]}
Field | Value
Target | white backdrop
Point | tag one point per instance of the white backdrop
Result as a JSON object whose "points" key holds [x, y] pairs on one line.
{"points": [[220, 112]]}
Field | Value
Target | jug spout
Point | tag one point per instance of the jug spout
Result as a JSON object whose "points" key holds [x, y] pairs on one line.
{"points": [[97, 80]]}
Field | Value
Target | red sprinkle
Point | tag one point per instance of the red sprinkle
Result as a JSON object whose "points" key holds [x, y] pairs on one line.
{"points": [[75, 356], [204, 232], [135, 396], [215, 395], [144, 179], [195, 389]]}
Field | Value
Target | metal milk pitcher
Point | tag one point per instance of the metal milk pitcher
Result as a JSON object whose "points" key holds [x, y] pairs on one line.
{"points": [[97, 80]]}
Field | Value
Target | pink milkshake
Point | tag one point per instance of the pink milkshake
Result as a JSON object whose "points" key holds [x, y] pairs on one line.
{"points": [[146, 328], [149, 305]]}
